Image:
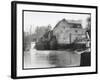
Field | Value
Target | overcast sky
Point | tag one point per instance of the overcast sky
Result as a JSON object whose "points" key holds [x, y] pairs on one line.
{"points": [[35, 19]]}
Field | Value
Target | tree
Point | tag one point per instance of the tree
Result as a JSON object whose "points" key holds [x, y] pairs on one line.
{"points": [[88, 29], [26, 41], [40, 31]]}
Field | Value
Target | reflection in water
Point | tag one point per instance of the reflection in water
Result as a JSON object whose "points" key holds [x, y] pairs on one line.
{"points": [[45, 59]]}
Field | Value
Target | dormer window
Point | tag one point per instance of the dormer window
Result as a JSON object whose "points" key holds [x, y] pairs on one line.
{"points": [[64, 27], [76, 31]]}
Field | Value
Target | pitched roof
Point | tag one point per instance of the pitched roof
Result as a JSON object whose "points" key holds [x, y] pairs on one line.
{"points": [[63, 20], [70, 22]]}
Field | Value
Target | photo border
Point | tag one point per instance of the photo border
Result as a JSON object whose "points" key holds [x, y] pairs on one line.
{"points": [[14, 38], [23, 35]]}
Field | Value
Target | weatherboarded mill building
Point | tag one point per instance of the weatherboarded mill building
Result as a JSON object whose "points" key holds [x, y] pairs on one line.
{"points": [[69, 31], [65, 35]]}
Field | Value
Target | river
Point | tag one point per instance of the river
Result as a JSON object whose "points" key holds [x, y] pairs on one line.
{"points": [[48, 59]]}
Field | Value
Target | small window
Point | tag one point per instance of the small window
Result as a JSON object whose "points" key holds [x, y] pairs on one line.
{"points": [[64, 27], [76, 31]]}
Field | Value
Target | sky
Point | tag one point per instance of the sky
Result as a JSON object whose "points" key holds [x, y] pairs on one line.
{"points": [[34, 19]]}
